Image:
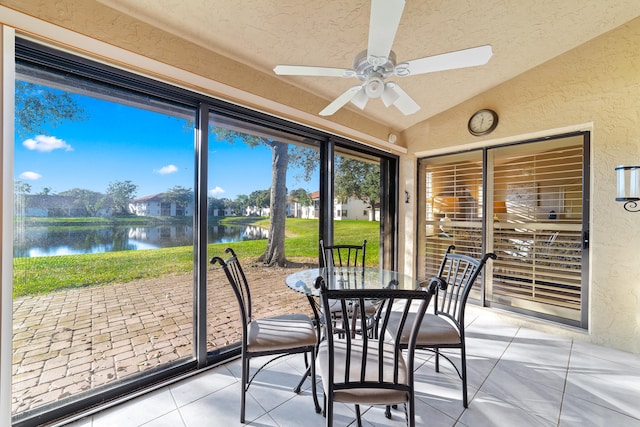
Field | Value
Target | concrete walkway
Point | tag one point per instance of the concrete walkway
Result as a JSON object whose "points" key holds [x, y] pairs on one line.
{"points": [[77, 340]]}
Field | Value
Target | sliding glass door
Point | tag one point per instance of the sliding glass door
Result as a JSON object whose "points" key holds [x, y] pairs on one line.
{"points": [[533, 217], [103, 236], [262, 186], [125, 188], [538, 195], [357, 202]]}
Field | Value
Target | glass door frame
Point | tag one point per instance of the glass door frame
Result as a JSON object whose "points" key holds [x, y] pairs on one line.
{"points": [[487, 214]]}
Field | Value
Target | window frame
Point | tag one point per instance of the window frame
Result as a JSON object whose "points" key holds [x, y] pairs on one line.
{"points": [[30, 51]]}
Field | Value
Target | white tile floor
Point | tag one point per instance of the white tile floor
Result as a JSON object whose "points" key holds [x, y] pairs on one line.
{"points": [[517, 377]]}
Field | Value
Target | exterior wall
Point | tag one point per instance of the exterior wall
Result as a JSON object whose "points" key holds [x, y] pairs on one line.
{"points": [[154, 208], [355, 209], [594, 87]]}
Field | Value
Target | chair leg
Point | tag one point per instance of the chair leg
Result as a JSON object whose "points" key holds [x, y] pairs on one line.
{"points": [[463, 362], [410, 414], [245, 380], [358, 417], [314, 385], [328, 407], [324, 406], [437, 351], [297, 388], [387, 412]]}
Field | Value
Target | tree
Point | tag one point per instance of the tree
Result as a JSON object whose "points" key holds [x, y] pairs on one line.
{"points": [[181, 196], [355, 178], [241, 203], [38, 106], [22, 187], [282, 155], [90, 200], [121, 192], [301, 196], [260, 198], [46, 191], [214, 205]]}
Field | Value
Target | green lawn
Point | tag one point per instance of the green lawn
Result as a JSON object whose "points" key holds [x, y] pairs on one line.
{"points": [[46, 274]]}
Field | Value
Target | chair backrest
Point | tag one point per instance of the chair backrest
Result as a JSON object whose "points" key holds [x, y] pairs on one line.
{"points": [[454, 281], [343, 255], [371, 369], [238, 282]]}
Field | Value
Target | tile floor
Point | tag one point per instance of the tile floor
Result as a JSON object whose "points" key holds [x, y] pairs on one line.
{"points": [[518, 377]]}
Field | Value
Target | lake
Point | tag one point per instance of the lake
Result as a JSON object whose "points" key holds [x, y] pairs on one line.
{"points": [[54, 241]]}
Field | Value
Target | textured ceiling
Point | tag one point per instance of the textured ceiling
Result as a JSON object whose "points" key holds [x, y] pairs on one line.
{"points": [[264, 33]]}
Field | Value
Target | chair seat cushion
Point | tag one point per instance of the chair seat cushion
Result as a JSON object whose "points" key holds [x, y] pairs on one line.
{"points": [[368, 396], [434, 330], [280, 333]]}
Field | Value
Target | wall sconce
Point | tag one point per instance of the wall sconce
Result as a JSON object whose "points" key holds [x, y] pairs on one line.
{"points": [[628, 187]]}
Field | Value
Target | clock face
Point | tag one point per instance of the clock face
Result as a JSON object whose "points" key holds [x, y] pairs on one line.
{"points": [[483, 122]]}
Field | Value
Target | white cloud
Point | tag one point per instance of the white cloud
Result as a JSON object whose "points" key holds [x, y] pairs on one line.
{"points": [[30, 176], [46, 144], [166, 170], [216, 191]]}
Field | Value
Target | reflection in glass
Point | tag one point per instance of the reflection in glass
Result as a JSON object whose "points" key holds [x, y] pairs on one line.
{"points": [[92, 309]]}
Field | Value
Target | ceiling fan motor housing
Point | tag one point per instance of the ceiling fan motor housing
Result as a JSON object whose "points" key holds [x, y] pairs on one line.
{"points": [[373, 71]]}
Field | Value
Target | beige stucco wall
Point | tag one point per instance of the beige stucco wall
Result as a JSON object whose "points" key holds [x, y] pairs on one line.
{"points": [[597, 87]]}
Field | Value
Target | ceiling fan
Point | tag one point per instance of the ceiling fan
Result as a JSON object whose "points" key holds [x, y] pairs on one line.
{"points": [[374, 65]]}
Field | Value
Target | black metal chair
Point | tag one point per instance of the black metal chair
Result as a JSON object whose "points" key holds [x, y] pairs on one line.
{"points": [[360, 370], [278, 335], [345, 255], [444, 328]]}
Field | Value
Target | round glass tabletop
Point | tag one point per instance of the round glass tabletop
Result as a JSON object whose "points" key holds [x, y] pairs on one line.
{"points": [[348, 278]]}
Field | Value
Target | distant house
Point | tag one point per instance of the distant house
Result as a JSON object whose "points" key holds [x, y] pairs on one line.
{"points": [[49, 205], [352, 209], [222, 212], [257, 211], [159, 205]]}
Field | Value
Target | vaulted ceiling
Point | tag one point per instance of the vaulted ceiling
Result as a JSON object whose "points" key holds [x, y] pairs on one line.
{"points": [[261, 34]]}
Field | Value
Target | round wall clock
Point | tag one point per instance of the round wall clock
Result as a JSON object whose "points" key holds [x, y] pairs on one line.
{"points": [[482, 122]]}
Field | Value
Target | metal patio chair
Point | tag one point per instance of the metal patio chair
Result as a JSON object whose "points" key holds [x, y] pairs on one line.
{"points": [[360, 370], [444, 328], [269, 336]]}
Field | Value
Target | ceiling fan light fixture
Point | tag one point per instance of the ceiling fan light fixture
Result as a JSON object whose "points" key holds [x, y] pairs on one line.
{"points": [[389, 96], [374, 86], [360, 99]]}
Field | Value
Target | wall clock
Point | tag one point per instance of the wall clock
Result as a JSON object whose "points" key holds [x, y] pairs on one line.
{"points": [[482, 122]]}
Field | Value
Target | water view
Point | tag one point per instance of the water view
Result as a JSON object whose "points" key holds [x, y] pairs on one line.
{"points": [[53, 241]]}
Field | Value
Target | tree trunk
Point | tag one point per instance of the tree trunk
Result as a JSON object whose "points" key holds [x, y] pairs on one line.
{"points": [[274, 253]]}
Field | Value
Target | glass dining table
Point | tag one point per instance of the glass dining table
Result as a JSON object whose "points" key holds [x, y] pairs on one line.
{"points": [[304, 281], [348, 278]]}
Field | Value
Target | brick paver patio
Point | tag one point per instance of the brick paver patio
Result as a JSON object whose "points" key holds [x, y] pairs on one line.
{"points": [[75, 340]]}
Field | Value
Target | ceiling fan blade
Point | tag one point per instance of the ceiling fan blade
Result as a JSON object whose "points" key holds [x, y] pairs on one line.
{"points": [[303, 70], [404, 103], [360, 99], [383, 24], [340, 101], [446, 61]]}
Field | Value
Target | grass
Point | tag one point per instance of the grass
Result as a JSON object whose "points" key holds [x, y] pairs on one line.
{"points": [[46, 274]]}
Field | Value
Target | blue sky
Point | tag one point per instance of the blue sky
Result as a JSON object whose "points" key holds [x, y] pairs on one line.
{"points": [[153, 150]]}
